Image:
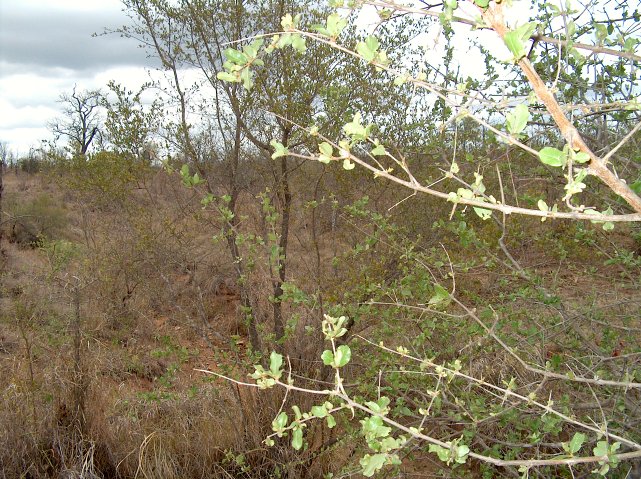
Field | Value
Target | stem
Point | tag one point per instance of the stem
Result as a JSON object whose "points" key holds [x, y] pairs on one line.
{"points": [[597, 166]]}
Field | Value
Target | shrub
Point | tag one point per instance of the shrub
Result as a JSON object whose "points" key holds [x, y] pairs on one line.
{"points": [[36, 219]]}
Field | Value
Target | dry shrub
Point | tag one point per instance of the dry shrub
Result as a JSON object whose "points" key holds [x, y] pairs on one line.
{"points": [[35, 219]]}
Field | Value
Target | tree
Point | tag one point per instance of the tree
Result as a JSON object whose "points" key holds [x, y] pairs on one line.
{"points": [[81, 124], [4, 157], [7, 159], [238, 126], [131, 126]]}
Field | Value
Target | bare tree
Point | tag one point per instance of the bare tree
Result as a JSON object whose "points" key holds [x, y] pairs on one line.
{"points": [[82, 122]]}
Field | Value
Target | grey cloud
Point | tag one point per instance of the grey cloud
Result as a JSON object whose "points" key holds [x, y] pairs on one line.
{"points": [[39, 41]]}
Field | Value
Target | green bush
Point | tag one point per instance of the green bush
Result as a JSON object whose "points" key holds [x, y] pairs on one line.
{"points": [[36, 219]]}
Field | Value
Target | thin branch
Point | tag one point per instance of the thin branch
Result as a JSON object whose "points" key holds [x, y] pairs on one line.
{"points": [[535, 37]]}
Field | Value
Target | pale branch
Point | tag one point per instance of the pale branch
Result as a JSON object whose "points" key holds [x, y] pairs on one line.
{"points": [[507, 209], [542, 372], [622, 142], [493, 16], [432, 88], [597, 168], [584, 46], [506, 392], [536, 37], [415, 433]]}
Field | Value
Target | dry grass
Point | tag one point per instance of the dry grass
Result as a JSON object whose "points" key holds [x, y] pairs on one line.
{"points": [[156, 302]]}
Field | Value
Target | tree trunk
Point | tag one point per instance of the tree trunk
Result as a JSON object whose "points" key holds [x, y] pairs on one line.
{"points": [[231, 233], [1, 210], [285, 199]]}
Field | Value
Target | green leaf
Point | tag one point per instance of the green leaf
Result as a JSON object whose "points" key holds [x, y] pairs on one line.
{"points": [[372, 463], [289, 23], [575, 443], [379, 150], [441, 295], [333, 27], [275, 363], [348, 165], [284, 40], [401, 79], [462, 452], [297, 438], [280, 423], [226, 76], [542, 205], [297, 414], [326, 149], [342, 356], [515, 39], [601, 32], [299, 43], [207, 199], [571, 29], [482, 3], [465, 193], [197, 180], [575, 185], [234, 56], [372, 42], [552, 157], [517, 119], [483, 213], [581, 157], [319, 411], [380, 406], [279, 149], [373, 428], [368, 49], [335, 24], [331, 422], [356, 129], [601, 448], [252, 49], [246, 76], [327, 357], [444, 454]]}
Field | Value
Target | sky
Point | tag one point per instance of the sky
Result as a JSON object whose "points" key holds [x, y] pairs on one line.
{"points": [[46, 47]]}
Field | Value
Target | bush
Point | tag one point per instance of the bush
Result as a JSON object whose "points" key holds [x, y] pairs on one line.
{"points": [[36, 219], [31, 164]]}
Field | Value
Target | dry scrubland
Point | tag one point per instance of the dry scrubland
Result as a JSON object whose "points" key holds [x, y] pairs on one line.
{"points": [[111, 298]]}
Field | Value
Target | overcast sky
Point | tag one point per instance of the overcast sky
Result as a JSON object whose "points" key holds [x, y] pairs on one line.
{"points": [[46, 47]]}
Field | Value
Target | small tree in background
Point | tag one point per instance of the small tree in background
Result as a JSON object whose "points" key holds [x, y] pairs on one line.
{"points": [[81, 124]]}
